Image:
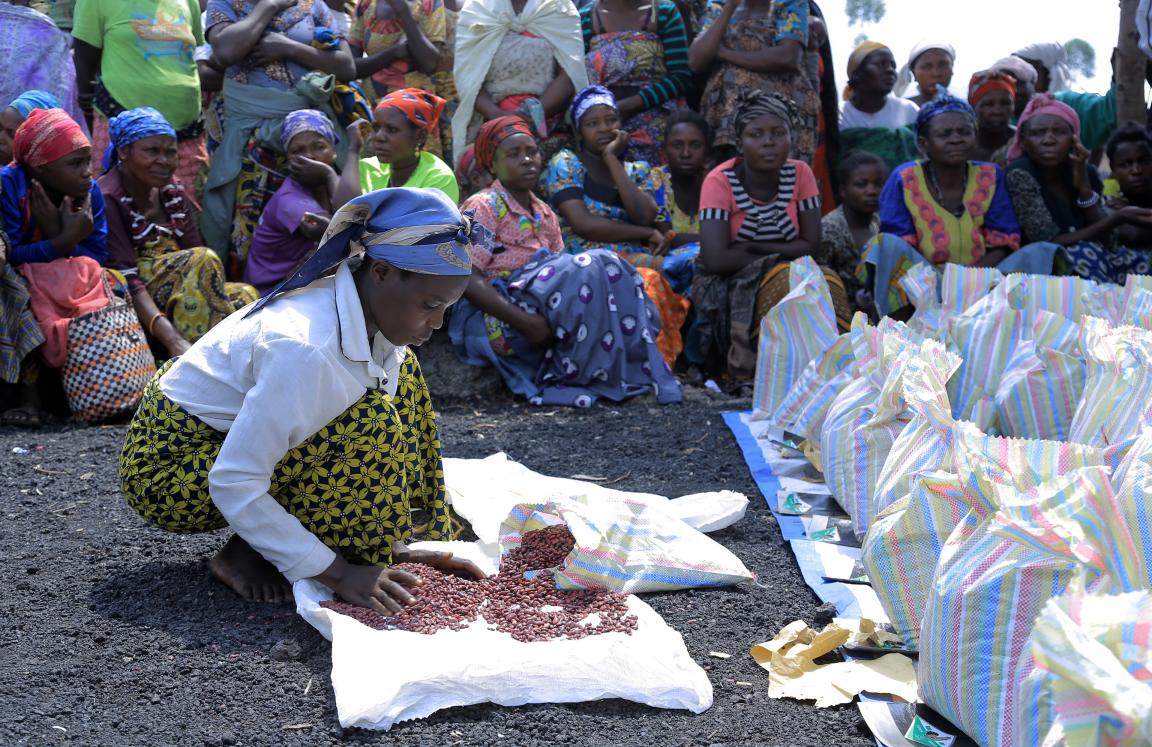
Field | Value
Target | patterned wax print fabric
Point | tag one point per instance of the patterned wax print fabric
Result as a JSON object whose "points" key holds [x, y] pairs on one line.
{"points": [[20, 334], [146, 53], [376, 28], [787, 21], [36, 55], [604, 324], [894, 146], [839, 252], [909, 210], [681, 222], [651, 63], [353, 484], [298, 22], [519, 234]]}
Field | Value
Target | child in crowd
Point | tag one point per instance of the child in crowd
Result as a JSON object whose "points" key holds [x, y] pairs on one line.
{"points": [[1129, 152], [847, 230], [296, 216], [687, 149]]}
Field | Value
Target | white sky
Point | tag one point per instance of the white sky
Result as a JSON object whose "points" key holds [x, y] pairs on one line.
{"points": [[982, 31]]}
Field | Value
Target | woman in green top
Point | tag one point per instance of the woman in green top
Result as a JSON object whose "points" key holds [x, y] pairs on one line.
{"points": [[402, 121]]}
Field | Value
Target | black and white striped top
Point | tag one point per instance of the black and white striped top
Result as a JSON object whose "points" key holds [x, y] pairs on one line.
{"points": [[761, 221]]}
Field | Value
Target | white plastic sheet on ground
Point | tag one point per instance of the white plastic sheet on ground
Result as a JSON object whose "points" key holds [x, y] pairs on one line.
{"points": [[381, 677], [484, 491]]}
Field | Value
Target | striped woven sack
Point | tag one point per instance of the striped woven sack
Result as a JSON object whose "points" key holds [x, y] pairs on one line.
{"points": [[1132, 481], [1136, 305], [804, 407], [866, 418], [1091, 680], [1012, 553], [108, 363], [1117, 400], [1043, 381], [626, 546], [793, 332]]}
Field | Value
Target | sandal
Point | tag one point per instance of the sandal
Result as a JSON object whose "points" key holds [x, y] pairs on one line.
{"points": [[21, 418]]}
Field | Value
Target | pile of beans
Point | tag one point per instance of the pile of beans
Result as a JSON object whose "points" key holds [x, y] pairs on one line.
{"points": [[527, 608]]}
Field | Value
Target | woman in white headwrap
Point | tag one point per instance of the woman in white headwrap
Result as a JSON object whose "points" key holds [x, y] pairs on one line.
{"points": [[516, 55], [930, 63], [1025, 76], [1051, 62]]}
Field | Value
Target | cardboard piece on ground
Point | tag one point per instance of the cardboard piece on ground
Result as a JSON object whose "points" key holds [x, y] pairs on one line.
{"points": [[793, 673]]}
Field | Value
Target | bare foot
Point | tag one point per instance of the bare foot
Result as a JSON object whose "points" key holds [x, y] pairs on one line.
{"points": [[246, 572]]}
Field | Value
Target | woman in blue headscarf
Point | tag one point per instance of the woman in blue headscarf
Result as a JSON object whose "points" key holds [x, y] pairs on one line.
{"points": [[945, 208], [13, 115], [177, 284], [303, 422]]}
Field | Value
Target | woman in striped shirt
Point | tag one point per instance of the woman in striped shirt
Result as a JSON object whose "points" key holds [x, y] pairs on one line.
{"points": [[758, 211], [639, 51]]}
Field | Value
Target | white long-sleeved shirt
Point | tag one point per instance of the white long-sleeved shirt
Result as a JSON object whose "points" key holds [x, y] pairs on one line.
{"points": [[269, 381], [895, 113]]}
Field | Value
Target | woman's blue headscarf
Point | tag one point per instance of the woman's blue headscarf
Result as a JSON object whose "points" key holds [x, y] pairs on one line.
{"points": [[307, 120], [418, 230], [942, 105], [588, 98], [27, 102], [128, 127]]}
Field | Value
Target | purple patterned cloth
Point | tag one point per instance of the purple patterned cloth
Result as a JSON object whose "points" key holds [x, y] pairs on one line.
{"points": [[37, 55]]}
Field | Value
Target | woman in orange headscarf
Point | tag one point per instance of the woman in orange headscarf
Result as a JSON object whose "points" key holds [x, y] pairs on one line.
{"points": [[993, 95]]}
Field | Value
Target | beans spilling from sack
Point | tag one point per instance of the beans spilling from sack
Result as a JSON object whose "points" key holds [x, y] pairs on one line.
{"points": [[522, 600]]}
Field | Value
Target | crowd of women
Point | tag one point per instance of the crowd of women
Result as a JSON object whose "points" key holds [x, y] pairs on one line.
{"points": [[644, 170]]}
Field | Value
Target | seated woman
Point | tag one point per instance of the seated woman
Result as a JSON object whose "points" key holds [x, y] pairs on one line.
{"points": [[757, 212], [14, 114], [1129, 152], [402, 122], [930, 65], [560, 328], [608, 203], [945, 208], [1057, 195], [296, 216], [512, 57], [687, 150], [639, 51], [213, 445], [53, 214], [177, 284], [992, 95], [850, 227], [873, 120]]}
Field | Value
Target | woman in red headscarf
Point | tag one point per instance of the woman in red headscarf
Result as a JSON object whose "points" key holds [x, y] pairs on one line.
{"points": [[560, 328], [54, 215], [401, 124], [992, 95], [1057, 195]]}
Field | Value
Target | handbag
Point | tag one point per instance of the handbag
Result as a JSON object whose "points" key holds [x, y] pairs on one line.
{"points": [[108, 363]]}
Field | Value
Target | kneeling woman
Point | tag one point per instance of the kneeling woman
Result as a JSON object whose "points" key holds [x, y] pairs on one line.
{"points": [[177, 284], [322, 488], [560, 328]]}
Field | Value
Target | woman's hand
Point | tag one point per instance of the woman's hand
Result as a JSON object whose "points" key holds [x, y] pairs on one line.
{"points": [[1079, 158], [310, 172], [355, 132], [616, 147], [76, 221], [445, 562], [272, 47], [658, 242], [385, 590], [313, 226], [537, 331], [177, 346], [45, 215], [1135, 216]]}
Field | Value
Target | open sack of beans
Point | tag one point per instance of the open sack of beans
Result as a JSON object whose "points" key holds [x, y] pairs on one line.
{"points": [[793, 332], [625, 546], [998, 569], [1091, 680], [484, 491], [510, 639]]}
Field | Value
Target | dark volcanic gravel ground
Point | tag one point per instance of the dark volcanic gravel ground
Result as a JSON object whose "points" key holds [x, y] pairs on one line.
{"points": [[113, 633]]}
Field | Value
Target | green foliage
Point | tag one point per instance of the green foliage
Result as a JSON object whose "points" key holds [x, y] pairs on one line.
{"points": [[864, 11], [1081, 58]]}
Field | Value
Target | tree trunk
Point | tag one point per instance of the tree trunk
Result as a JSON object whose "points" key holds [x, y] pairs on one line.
{"points": [[1129, 68]]}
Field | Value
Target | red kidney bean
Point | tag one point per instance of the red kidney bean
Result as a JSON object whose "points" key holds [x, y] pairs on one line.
{"points": [[508, 602]]}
